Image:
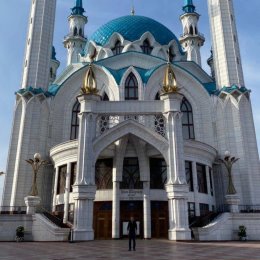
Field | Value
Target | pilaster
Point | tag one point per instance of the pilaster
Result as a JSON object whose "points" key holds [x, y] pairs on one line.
{"points": [[84, 189], [67, 193]]}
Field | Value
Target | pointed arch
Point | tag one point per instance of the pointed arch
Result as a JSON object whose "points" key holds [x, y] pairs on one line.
{"points": [[146, 47], [75, 121], [131, 87], [139, 82], [187, 120], [118, 48], [130, 127]]}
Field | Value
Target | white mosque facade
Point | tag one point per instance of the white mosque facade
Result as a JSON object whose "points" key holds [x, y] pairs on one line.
{"points": [[133, 126]]}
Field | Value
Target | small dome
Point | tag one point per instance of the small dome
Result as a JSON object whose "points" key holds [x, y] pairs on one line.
{"points": [[132, 27]]}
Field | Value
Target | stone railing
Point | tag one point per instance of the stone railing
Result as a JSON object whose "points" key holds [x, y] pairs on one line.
{"points": [[156, 122]]}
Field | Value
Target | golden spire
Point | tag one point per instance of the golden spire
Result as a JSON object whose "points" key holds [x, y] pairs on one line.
{"points": [[89, 82], [169, 80]]}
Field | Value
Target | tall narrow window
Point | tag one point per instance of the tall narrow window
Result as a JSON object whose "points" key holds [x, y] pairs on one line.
{"points": [[103, 176], [75, 32], [131, 174], [131, 87], [202, 178], [80, 32], [187, 120], [62, 179], [158, 173], [118, 48], [188, 171], [146, 47], [73, 175], [75, 121]]}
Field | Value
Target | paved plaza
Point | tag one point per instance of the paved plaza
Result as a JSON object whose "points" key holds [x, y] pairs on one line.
{"points": [[151, 249]]}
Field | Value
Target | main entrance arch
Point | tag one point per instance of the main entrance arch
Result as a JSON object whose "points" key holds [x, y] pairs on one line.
{"points": [[130, 147]]}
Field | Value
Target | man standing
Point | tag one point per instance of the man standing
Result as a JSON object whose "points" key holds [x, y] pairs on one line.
{"points": [[132, 229]]}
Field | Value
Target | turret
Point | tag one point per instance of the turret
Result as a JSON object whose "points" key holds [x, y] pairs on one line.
{"points": [[227, 60], [191, 40], [39, 44], [75, 41], [54, 66]]}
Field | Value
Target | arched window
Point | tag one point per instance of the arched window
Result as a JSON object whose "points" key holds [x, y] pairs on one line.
{"points": [[157, 96], [146, 47], [103, 175], [75, 32], [131, 87], [80, 32], [105, 97], [131, 174], [187, 120], [75, 121], [117, 48], [171, 54], [191, 30]]}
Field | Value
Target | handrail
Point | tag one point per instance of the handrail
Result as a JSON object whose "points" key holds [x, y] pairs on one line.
{"points": [[54, 219], [11, 210]]}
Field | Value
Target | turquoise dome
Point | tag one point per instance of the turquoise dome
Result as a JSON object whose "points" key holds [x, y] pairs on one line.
{"points": [[132, 27]]}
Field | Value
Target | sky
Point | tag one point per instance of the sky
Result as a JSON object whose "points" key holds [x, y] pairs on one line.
{"points": [[13, 31]]}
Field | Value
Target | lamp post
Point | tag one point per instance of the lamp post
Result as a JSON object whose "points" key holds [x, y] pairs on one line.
{"points": [[33, 199], [36, 164], [228, 162], [232, 199]]}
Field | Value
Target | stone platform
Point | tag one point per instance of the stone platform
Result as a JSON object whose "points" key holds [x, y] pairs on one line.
{"points": [[118, 249]]}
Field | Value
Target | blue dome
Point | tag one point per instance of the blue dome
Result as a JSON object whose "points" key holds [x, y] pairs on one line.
{"points": [[132, 27]]}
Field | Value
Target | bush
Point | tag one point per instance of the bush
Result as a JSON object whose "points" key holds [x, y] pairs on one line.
{"points": [[242, 231], [20, 231]]}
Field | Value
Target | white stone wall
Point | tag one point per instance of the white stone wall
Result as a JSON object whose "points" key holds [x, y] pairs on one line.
{"points": [[226, 227], [9, 223]]}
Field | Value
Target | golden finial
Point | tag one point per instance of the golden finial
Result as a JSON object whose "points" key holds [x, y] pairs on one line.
{"points": [[89, 82], [133, 8], [169, 80]]}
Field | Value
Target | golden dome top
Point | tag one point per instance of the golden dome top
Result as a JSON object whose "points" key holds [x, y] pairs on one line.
{"points": [[89, 82], [169, 80]]}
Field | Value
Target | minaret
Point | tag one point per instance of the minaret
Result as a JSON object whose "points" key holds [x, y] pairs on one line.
{"points": [[191, 40], [39, 44], [75, 41], [53, 66], [227, 60]]}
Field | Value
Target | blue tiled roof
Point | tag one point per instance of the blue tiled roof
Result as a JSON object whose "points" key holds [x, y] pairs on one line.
{"points": [[144, 73], [231, 89], [34, 91], [132, 27]]}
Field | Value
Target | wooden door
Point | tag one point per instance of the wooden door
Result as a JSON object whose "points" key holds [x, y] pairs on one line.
{"points": [[131, 209], [103, 220], [159, 219]]}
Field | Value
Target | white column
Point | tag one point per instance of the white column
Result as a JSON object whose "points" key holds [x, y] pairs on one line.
{"points": [[84, 189], [147, 211], [116, 211], [176, 187], [196, 188], [67, 193], [55, 187]]}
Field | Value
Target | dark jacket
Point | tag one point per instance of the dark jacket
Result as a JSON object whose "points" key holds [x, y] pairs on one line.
{"points": [[132, 227]]}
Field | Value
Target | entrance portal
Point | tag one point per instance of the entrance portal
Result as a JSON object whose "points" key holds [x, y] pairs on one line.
{"points": [[159, 219], [103, 220], [131, 209]]}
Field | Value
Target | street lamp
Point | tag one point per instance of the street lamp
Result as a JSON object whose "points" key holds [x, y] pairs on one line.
{"points": [[228, 162], [36, 164]]}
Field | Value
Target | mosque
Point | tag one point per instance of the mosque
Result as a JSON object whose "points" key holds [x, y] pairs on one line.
{"points": [[134, 126]]}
